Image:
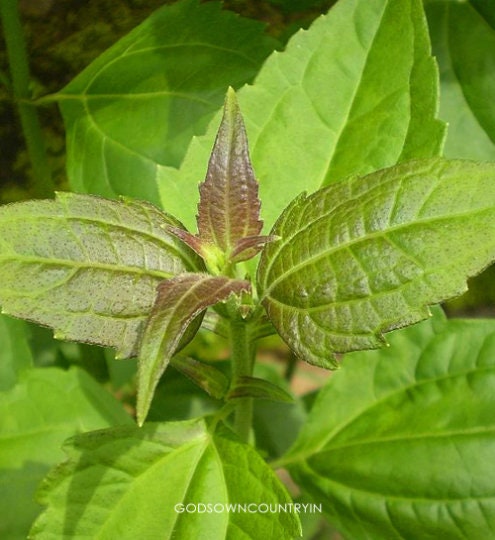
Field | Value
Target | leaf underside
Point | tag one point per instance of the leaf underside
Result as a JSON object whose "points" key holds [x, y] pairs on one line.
{"points": [[369, 254], [179, 301], [86, 266]]}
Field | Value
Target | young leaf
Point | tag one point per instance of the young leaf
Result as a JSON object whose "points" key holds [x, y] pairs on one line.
{"points": [[229, 206], [260, 389], [207, 377], [369, 254], [330, 105], [400, 443], [179, 301], [147, 477], [135, 108], [86, 266]]}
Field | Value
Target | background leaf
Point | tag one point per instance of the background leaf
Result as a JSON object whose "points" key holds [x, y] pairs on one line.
{"points": [[46, 406], [399, 444], [15, 354], [464, 45], [330, 105], [367, 255], [136, 107], [87, 267], [132, 467]]}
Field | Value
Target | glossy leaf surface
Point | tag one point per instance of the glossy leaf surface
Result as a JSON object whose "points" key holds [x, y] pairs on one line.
{"points": [[330, 105], [369, 254], [133, 466], [179, 301], [87, 267], [399, 444], [136, 107]]}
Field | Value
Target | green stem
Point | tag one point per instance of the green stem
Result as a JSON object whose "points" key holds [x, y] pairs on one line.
{"points": [[242, 351], [19, 72]]}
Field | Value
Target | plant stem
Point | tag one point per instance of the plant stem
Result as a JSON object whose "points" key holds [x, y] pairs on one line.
{"points": [[242, 351], [19, 72]]}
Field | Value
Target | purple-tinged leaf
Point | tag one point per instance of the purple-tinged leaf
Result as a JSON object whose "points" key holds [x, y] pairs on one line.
{"points": [[207, 377], [179, 301], [369, 254], [229, 206], [248, 247]]}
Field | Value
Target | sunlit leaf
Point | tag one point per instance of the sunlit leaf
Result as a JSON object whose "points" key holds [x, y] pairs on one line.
{"points": [[137, 106], [399, 444], [369, 254], [147, 476], [341, 99], [87, 267]]}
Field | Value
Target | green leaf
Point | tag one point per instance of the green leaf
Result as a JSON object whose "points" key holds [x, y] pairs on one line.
{"points": [[134, 483], [136, 107], [369, 254], [207, 377], [87, 267], [179, 301], [15, 354], [400, 442], [36, 416], [464, 44], [260, 389], [330, 105]]}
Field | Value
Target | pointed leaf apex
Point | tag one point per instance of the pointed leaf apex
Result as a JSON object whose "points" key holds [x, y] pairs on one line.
{"points": [[229, 206]]}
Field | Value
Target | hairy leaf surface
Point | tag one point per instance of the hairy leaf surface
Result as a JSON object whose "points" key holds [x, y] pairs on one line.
{"points": [[369, 254], [147, 475], [136, 107], [179, 301], [464, 44], [330, 105], [399, 444], [229, 206], [87, 267]]}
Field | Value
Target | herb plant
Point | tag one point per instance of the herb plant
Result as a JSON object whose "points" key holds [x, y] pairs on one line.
{"points": [[365, 227]]}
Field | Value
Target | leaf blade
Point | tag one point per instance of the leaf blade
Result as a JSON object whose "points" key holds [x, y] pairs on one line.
{"points": [[369, 254], [229, 206], [179, 301], [134, 109], [204, 469], [316, 112], [86, 266], [426, 401]]}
